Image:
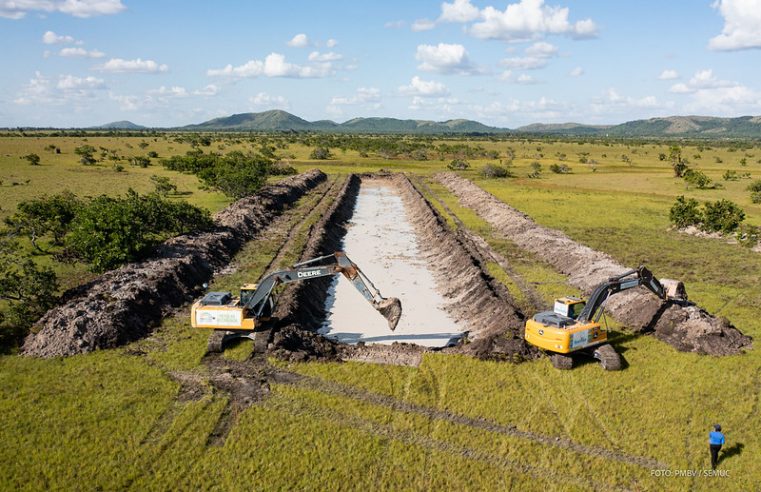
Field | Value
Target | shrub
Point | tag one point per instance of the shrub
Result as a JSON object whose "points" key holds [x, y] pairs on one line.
{"points": [[730, 175], [697, 178], [163, 185], [282, 169], [755, 197], [321, 153], [85, 153], [458, 165], [110, 231], [685, 212], [536, 170], [494, 171], [33, 159], [560, 168], [748, 235], [721, 216], [755, 186], [140, 161], [39, 217]]}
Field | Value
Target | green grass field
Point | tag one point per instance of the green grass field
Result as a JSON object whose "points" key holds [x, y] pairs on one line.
{"points": [[111, 420]]}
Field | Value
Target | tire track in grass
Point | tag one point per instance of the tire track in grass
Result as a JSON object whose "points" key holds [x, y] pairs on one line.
{"points": [[329, 387], [298, 407]]}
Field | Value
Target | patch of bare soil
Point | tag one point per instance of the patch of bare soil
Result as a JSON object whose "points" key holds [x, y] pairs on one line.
{"points": [[124, 304], [685, 327]]}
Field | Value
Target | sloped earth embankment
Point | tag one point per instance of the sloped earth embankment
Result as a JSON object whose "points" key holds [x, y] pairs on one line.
{"points": [[687, 328], [471, 295], [123, 305]]}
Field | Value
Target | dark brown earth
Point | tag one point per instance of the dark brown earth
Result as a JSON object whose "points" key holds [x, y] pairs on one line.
{"points": [[687, 328], [124, 304]]}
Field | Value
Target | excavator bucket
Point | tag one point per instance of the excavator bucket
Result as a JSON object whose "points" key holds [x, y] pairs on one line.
{"points": [[674, 289], [391, 309]]}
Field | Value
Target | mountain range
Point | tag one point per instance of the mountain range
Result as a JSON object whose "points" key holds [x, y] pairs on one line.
{"points": [[282, 121]]}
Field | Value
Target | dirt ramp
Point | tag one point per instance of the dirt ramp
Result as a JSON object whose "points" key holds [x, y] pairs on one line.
{"points": [[687, 328], [122, 305]]}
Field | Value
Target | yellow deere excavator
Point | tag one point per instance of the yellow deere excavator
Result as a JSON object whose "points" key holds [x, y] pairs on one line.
{"points": [[573, 327], [241, 317]]}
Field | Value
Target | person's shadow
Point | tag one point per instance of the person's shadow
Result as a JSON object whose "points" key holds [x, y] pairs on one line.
{"points": [[734, 450]]}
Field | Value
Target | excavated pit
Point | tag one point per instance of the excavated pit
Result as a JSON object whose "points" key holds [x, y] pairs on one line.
{"points": [[123, 305], [687, 328], [471, 300]]}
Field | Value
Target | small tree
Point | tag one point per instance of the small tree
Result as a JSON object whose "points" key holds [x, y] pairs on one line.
{"points": [[685, 212], [49, 215], [458, 165], [33, 159], [140, 161], [560, 168], [494, 171], [722, 216], [697, 179], [536, 170], [85, 153], [678, 164], [163, 185], [320, 153]]}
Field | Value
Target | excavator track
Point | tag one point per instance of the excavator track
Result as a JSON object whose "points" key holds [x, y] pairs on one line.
{"points": [[216, 340], [610, 360], [561, 361]]}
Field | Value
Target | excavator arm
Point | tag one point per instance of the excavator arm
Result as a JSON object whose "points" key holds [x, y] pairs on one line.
{"points": [[326, 266], [628, 280]]}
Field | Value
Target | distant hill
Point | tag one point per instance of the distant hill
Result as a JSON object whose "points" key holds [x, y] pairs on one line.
{"points": [[277, 120], [671, 126], [119, 125], [665, 127]]}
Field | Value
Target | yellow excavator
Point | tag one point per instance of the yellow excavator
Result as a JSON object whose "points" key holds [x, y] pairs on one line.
{"points": [[573, 327], [251, 312]]}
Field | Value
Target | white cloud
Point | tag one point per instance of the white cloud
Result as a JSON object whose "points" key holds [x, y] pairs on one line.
{"points": [[709, 94], [331, 43], [612, 101], [536, 56], [330, 56], [118, 65], [52, 38], [703, 79], [274, 65], [17, 9], [742, 25], [397, 24], [442, 105], [668, 75], [542, 49], [524, 63], [444, 58], [422, 25], [126, 103], [459, 11], [209, 90], [42, 90], [78, 52], [166, 92], [576, 72], [529, 19], [299, 41], [424, 88], [363, 95], [262, 100], [523, 79], [542, 109]]}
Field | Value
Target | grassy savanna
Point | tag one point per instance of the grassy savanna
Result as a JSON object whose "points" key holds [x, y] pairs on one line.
{"points": [[111, 419]]}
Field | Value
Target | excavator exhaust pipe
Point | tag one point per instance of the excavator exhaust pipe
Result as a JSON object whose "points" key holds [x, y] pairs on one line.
{"points": [[391, 309]]}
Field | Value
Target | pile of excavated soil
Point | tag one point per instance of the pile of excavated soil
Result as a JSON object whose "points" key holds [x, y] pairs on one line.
{"points": [[124, 304], [686, 327]]}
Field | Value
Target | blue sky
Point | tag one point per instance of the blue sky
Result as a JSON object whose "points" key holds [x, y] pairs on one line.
{"points": [[505, 63]]}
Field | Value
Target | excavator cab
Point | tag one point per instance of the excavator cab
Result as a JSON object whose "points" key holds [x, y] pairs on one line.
{"points": [[570, 307]]}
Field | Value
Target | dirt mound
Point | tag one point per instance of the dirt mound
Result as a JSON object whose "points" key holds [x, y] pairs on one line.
{"points": [[687, 328], [293, 344], [122, 305]]}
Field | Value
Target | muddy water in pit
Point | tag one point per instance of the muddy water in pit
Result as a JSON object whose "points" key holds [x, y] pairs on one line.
{"points": [[382, 242]]}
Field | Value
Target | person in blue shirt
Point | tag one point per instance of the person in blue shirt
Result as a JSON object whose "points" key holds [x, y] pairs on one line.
{"points": [[715, 441]]}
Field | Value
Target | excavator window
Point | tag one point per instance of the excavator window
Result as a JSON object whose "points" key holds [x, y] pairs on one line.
{"points": [[575, 309]]}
